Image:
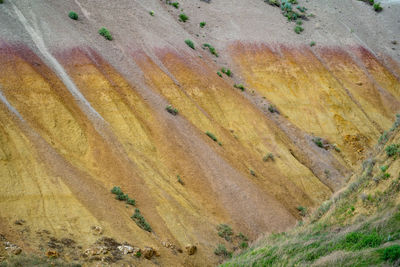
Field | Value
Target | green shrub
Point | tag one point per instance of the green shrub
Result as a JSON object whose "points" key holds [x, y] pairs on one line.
{"points": [[392, 150], [122, 197], [183, 17], [71, 14], [172, 110], [151, 13], [105, 33], [391, 253], [225, 231], [175, 4], [244, 245], [239, 86], [242, 237], [302, 9], [302, 210], [272, 109], [219, 74], [180, 180], [312, 43], [227, 72], [211, 49], [377, 7], [274, 3], [318, 142], [268, 157], [117, 190], [202, 24], [131, 201], [298, 29], [253, 173], [212, 136], [1, 2], [190, 43], [221, 251], [140, 221]]}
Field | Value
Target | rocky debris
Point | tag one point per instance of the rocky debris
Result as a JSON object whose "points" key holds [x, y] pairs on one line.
{"points": [[168, 244], [12, 248], [95, 251], [190, 249], [97, 230], [52, 254], [112, 247], [125, 249], [148, 252]]}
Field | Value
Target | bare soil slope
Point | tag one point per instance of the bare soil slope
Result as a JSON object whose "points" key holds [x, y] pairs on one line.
{"points": [[81, 114]]}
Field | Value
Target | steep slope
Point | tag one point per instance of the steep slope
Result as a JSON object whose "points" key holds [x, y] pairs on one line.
{"points": [[81, 114], [358, 226]]}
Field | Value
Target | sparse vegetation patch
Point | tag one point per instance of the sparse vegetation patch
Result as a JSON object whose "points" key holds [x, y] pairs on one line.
{"points": [[190, 43], [140, 221], [172, 110], [183, 17], [71, 14], [105, 33], [211, 49], [239, 86]]}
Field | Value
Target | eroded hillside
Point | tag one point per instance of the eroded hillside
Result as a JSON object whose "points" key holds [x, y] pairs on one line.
{"points": [[81, 114]]}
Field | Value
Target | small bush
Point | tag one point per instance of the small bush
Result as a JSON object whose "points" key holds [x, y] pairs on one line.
{"points": [[318, 142], [131, 201], [377, 7], [302, 210], [175, 4], [272, 109], [71, 14], [302, 9], [140, 221], [391, 253], [298, 29], [312, 43], [227, 72], [202, 24], [211, 49], [253, 173], [242, 237], [105, 33], [239, 86], [219, 74], [273, 2], [122, 197], [183, 17], [180, 180], [1, 2], [268, 157], [212, 136], [151, 13], [221, 251], [190, 43], [392, 150], [244, 245], [172, 110], [225, 231], [117, 190]]}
